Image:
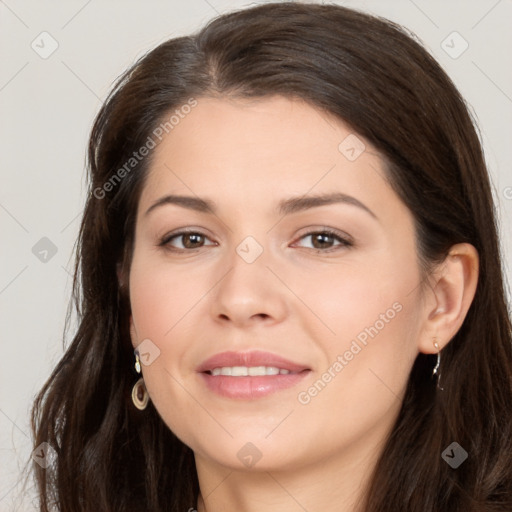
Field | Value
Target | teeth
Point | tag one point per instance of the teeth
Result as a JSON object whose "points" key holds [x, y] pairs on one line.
{"points": [[256, 370], [238, 371], [252, 371]]}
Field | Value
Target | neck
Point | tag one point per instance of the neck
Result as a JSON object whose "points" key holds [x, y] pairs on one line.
{"points": [[334, 483]]}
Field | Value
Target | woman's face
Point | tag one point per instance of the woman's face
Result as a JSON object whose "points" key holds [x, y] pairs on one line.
{"points": [[257, 273]]}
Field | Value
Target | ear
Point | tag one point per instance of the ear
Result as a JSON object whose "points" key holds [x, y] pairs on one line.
{"points": [[120, 275], [122, 284], [133, 333], [447, 303]]}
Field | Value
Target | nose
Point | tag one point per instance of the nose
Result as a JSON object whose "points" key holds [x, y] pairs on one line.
{"points": [[249, 294]]}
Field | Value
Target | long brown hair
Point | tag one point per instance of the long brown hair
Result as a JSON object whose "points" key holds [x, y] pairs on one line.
{"points": [[372, 75]]}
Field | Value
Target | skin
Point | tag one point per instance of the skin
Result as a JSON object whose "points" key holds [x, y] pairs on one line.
{"points": [[297, 299]]}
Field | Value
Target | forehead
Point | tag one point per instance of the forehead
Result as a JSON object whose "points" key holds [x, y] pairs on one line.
{"points": [[238, 128], [258, 149]]}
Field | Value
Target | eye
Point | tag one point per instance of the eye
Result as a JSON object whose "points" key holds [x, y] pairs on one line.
{"points": [[187, 240], [325, 240], [321, 241]]}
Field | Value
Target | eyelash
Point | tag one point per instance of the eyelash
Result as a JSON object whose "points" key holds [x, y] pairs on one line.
{"points": [[344, 242]]}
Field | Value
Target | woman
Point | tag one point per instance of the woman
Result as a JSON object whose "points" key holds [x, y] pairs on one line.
{"points": [[289, 283]]}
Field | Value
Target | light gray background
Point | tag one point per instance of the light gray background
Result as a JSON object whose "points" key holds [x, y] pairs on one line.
{"points": [[47, 107]]}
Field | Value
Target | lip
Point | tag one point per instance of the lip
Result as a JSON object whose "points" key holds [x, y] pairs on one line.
{"points": [[251, 358], [250, 387]]}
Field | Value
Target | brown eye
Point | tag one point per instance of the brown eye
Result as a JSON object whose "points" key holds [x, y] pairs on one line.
{"points": [[325, 240], [192, 240], [185, 240]]}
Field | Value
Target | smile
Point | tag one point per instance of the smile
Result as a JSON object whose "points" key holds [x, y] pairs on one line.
{"points": [[252, 371]]}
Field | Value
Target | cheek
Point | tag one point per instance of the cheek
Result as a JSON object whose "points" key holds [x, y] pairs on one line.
{"points": [[160, 297], [164, 304], [353, 296], [361, 388], [373, 311]]}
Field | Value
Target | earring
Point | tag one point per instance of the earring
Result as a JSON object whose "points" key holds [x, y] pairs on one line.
{"points": [[438, 363], [140, 396]]}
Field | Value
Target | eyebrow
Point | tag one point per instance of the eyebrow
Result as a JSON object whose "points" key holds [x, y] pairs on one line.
{"points": [[285, 207]]}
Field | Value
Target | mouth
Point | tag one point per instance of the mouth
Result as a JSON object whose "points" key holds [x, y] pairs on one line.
{"points": [[249, 371], [250, 375]]}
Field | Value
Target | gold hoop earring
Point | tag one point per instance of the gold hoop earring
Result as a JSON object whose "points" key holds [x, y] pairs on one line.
{"points": [[140, 396], [436, 370]]}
